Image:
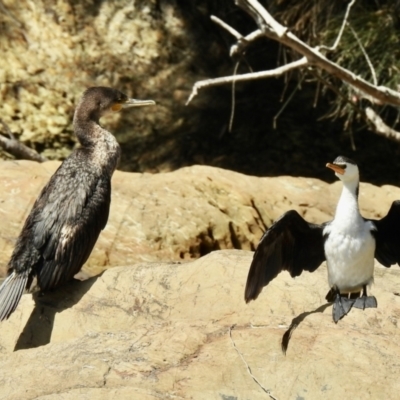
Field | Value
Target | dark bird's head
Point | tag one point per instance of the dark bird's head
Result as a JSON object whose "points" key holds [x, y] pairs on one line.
{"points": [[345, 169], [99, 100]]}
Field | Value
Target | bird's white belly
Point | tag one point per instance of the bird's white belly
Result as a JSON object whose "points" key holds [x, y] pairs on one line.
{"points": [[350, 260]]}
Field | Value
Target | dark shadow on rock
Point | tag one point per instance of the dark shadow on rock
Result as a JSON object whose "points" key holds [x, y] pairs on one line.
{"points": [[38, 329], [296, 322]]}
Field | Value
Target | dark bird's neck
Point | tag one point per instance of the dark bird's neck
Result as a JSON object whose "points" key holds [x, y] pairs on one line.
{"points": [[98, 142]]}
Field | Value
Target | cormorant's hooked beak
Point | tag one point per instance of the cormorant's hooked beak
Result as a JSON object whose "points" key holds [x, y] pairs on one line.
{"points": [[137, 103], [336, 168]]}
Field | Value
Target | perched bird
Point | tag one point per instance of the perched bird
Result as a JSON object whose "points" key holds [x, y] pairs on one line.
{"points": [[349, 243], [71, 210]]}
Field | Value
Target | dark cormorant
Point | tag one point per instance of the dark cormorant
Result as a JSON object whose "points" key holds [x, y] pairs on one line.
{"points": [[349, 243], [71, 210]]}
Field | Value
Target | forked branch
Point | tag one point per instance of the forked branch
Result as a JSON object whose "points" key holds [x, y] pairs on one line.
{"points": [[272, 29], [309, 57]]}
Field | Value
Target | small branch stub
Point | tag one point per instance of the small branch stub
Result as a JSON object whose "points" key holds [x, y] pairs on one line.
{"points": [[16, 148]]}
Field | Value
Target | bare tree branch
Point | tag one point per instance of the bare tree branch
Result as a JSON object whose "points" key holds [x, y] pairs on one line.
{"points": [[260, 14], [314, 57], [272, 29], [380, 126], [227, 27], [245, 77], [233, 99], [16, 148], [346, 17]]}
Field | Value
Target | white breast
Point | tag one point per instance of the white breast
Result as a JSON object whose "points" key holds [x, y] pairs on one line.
{"points": [[349, 250]]}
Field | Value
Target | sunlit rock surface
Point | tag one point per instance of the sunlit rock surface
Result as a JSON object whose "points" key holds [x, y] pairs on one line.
{"points": [[169, 330]]}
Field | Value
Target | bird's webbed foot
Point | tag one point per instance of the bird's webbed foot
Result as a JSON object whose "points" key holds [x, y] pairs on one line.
{"points": [[365, 301], [341, 305]]}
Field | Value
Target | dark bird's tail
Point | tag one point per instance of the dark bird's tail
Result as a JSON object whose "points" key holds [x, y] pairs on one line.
{"points": [[10, 293]]}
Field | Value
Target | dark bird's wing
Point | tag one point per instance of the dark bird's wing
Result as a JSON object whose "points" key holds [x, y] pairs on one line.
{"points": [[59, 233], [387, 236], [64, 224], [10, 293], [290, 244]]}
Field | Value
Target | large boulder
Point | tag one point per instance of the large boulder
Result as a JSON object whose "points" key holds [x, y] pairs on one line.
{"points": [[183, 214], [183, 330]]}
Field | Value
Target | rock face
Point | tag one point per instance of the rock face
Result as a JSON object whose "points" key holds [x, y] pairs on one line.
{"points": [[181, 215], [159, 330], [181, 329]]}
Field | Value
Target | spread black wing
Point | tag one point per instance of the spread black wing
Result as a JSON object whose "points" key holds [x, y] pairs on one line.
{"points": [[291, 244], [387, 236], [73, 229]]}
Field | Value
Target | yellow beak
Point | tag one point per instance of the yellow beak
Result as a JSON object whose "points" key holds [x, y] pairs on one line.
{"points": [[336, 168]]}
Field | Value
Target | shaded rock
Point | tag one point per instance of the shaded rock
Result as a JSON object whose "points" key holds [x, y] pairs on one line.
{"points": [[158, 330], [183, 214]]}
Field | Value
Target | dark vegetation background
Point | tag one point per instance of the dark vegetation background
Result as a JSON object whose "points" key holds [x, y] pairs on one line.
{"points": [[317, 125], [305, 138]]}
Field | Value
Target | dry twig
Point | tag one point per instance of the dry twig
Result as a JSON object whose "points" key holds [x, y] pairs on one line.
{"points": [[16, 148], [227, 27], [245, 77], [344, 22], [380, 127]]}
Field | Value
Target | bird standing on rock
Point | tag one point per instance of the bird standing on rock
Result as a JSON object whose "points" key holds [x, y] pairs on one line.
{"points": [[71, 210], [349, 243]]}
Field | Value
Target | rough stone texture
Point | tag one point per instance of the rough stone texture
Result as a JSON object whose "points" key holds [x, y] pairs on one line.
{"points": [[159, 331], [181, 215]]}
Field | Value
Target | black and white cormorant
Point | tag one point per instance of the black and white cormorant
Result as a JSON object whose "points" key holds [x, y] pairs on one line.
{"points": [[349, 243], [71, 210]]}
